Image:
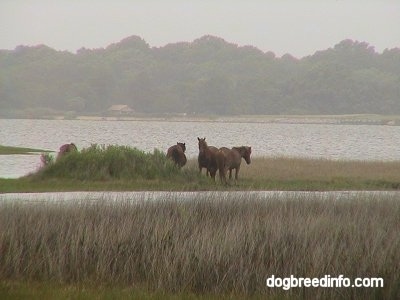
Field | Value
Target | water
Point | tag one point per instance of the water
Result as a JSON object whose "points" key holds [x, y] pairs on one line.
{"points": [[72, 197], [359, 142]]}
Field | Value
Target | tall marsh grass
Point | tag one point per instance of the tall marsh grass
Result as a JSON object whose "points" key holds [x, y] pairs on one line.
{"points": [[206, 245]]}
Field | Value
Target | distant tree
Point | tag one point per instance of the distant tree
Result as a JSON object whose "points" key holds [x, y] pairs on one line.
{"points": [[207, 76]]}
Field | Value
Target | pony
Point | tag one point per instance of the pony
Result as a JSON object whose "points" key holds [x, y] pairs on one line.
{"points": [[229, 159], [177, 154], [206, 158], [65, 149]]}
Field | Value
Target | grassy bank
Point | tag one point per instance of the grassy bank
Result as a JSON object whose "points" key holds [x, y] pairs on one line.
{"points": [[154, 172], [206, 246]]}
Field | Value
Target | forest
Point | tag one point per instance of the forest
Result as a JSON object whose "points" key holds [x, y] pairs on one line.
{"points": [[208, 76]]}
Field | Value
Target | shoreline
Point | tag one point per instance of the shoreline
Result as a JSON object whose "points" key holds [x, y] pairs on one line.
{"points": [[347, 119]]}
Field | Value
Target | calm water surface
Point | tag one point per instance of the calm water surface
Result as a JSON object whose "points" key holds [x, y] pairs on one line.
{"points": [[72, 197], [360, 142]]}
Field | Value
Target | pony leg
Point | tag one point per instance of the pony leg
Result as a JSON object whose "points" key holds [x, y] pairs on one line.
{"points": [[212, 174], [237, 174], [225, 173], [222, 175]]}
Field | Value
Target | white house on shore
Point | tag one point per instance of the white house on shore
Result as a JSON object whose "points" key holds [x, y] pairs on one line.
{"points": [[120, 109]]}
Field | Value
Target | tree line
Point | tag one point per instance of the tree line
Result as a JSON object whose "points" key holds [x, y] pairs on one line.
{"points": [[206, 76]]}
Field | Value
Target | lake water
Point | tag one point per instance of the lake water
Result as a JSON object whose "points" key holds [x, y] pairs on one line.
{"points": [[332, 141], [72, 197]]}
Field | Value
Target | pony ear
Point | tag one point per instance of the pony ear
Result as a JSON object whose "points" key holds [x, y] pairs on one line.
{"points": [[198, 139]]}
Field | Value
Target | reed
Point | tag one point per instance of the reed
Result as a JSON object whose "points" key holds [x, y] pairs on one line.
{"points": [[208, 245]]}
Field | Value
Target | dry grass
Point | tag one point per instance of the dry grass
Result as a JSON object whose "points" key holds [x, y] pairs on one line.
{"points": [[350, 174], [206, 245]]}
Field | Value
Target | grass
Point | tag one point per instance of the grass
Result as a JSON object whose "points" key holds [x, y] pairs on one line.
{"points": [[8, 150], [206, 247], [42, 291], [321, 174]]}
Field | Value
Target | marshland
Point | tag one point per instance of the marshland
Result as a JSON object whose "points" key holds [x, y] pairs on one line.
{"points": [[210, 246]]}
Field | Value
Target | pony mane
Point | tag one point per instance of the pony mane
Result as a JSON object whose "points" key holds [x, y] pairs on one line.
{"points": [[202, 143], [242, 149]]}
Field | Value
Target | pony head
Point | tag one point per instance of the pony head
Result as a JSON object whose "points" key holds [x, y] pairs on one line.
{"points": [[202, 143], [182, 145], [246, 154]]}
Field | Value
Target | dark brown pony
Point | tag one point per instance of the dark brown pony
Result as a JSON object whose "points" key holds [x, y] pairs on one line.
{"points": [[177, 154], [229, 159], [206, 158], [65, 149]]}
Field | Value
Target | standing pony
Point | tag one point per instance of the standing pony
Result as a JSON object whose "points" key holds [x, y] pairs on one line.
{"points": [[65, 149], [206, 158], [229, 159], [177, 154]]}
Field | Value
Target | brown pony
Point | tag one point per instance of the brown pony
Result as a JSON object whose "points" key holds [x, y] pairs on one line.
{"points": [[65, 149], [206, 158], [177, 154], [229, 159]]}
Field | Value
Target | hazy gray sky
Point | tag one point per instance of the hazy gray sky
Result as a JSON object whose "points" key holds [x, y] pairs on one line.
{"points": [[298, 27]]}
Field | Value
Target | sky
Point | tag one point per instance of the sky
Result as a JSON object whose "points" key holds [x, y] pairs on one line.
{"points": [[297, 27]]}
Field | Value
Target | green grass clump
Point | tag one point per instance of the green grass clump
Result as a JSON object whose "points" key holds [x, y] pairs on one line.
{"points": [[111, 162]]}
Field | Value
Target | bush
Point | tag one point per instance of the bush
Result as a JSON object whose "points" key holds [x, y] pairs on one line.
{"points": [[111, 162]]}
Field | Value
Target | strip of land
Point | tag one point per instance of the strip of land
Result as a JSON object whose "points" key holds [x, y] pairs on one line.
{"points": [[264, 173], [8, 150]]}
